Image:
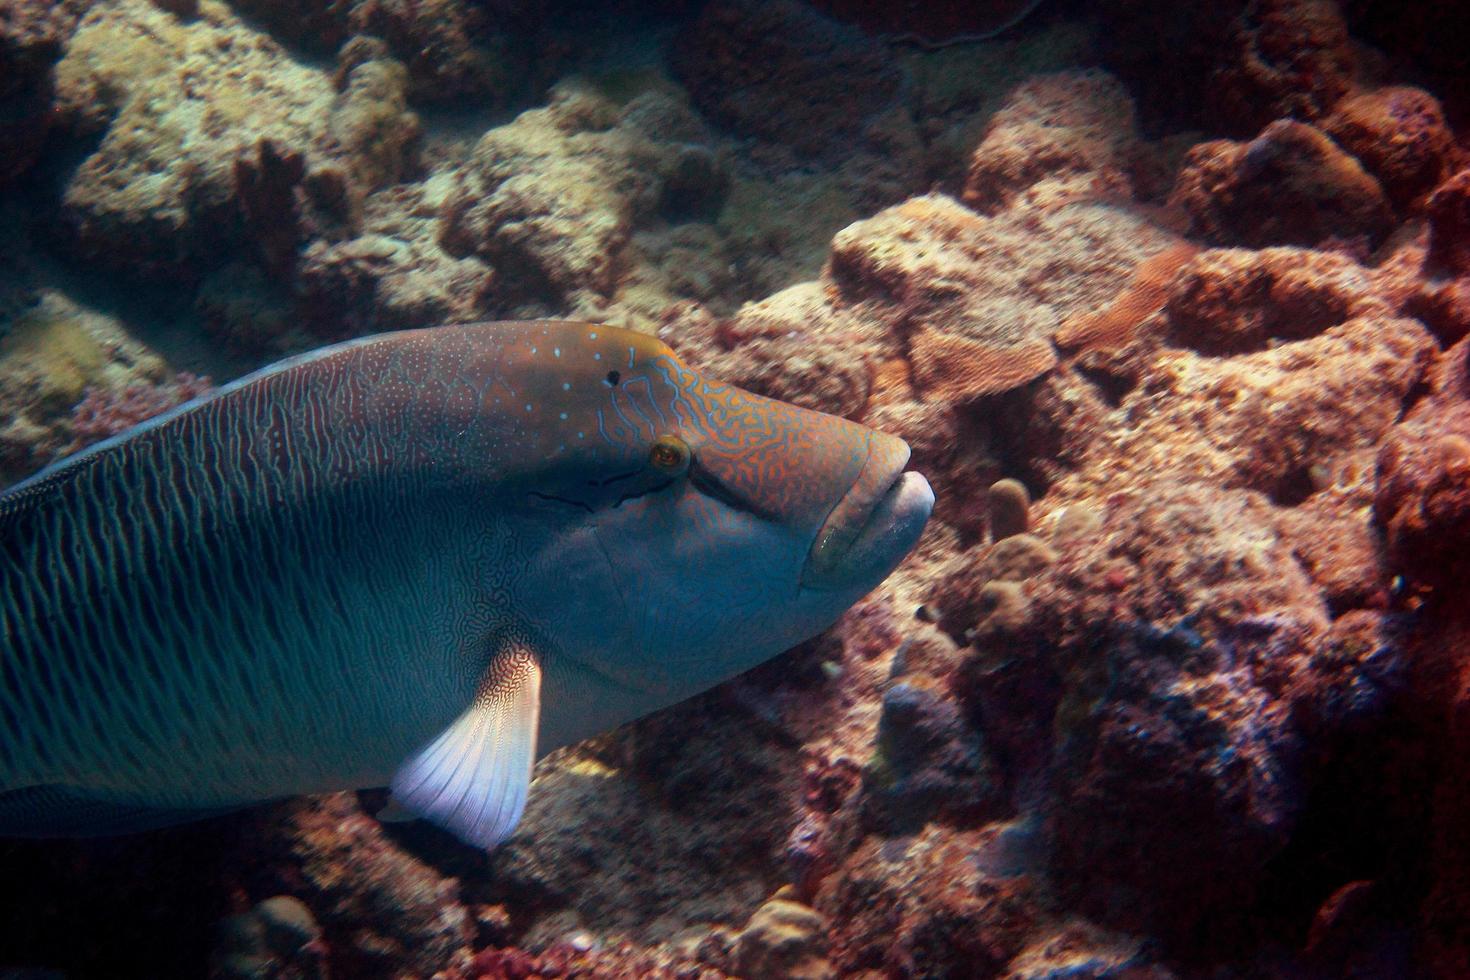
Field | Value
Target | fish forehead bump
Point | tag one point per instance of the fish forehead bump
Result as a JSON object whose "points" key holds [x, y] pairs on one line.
{"points": [[788, 459], [592, 388]]}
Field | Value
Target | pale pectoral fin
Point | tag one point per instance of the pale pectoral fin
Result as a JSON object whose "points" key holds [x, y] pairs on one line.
{"points": [[472, 779]]}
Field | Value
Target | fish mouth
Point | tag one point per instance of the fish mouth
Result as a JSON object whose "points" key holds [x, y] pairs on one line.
{"points": [[874, 525]]}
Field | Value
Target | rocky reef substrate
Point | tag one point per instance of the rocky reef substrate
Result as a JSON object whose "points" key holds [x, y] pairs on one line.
{"points": [[1171, 301]]}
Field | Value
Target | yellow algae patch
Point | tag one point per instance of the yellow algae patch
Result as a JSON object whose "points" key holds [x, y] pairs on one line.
{"points": [[54, 352], [586, 766], [51, 357]]}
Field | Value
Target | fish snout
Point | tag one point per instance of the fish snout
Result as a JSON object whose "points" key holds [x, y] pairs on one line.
{"points": [[874, 524]]}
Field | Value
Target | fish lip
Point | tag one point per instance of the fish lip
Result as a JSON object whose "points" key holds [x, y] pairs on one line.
{"points": [[850, 545]]}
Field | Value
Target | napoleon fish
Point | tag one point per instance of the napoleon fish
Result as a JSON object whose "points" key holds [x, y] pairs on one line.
{"points": [[416, 560]]}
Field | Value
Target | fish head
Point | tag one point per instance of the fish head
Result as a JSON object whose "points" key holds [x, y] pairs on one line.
{"points": [[702, 529]]}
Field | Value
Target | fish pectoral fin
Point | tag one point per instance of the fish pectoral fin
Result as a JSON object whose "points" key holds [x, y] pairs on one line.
{"points": [[472, 779]]}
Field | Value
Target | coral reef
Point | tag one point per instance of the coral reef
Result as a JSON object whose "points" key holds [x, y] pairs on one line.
{"points": [[1171, 302], [977, 309], [779, 70], [450, 50], [70, 375], [1400, 135], [1285, 58], [32, 34], [1058, 137], [1291, 185], [552, 198], [176, 181]]}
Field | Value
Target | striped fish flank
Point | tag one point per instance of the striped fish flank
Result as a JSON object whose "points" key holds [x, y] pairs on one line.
{"points": [[409, 560]]}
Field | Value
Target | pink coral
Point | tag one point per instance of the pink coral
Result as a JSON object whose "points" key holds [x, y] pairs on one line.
{"points": [[104, 412]]}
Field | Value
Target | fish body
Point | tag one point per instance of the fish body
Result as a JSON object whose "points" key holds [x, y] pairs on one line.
{"points": [[419, 559]]}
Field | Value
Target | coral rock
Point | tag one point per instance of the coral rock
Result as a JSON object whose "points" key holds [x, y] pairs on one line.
{"points": [[279, 937], [927, 764], [1449, 227], [1284, 58], [925, 906], [386, 905], [178, 104], [1423, 498], [1290, 185], [1335, 541], [1263, 420], [1058, 138], [783, 72], [783, 939], [1176, 660], [57, 355], [32, 33], [448, 52], [980, 297], [267, 181], [551, 199], [1234, 301], [372, 124], [1400, 135]]}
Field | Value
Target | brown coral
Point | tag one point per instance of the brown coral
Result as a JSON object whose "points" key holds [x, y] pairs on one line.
{"points": [[1058, 138], [1289, 58], [1423, 499], [1144, 295], [978, 298], [1290, 185], [1400, 135]]}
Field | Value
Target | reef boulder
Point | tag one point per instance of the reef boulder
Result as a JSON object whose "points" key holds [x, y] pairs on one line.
{"points": [[32, 35], [782, 72], [179, 178], [1291, 185]]}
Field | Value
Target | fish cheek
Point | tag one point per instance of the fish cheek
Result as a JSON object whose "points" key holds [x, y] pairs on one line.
{"points": [[570, 592]]}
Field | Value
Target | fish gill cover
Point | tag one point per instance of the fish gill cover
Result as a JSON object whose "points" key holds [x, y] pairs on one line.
{"points": [[1170, 302]]}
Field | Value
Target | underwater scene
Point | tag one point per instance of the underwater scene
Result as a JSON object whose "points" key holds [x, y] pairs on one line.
{"points": [[806, 489]]}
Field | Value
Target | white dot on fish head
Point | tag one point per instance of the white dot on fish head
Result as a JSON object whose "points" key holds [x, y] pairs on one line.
{"points": [[563, 414], [592, 335], [597, 357], [556, 351], [566, 386], [528, 406]]}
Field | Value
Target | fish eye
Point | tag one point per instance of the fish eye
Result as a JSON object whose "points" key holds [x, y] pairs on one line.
{"points": [[669, 454]]}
